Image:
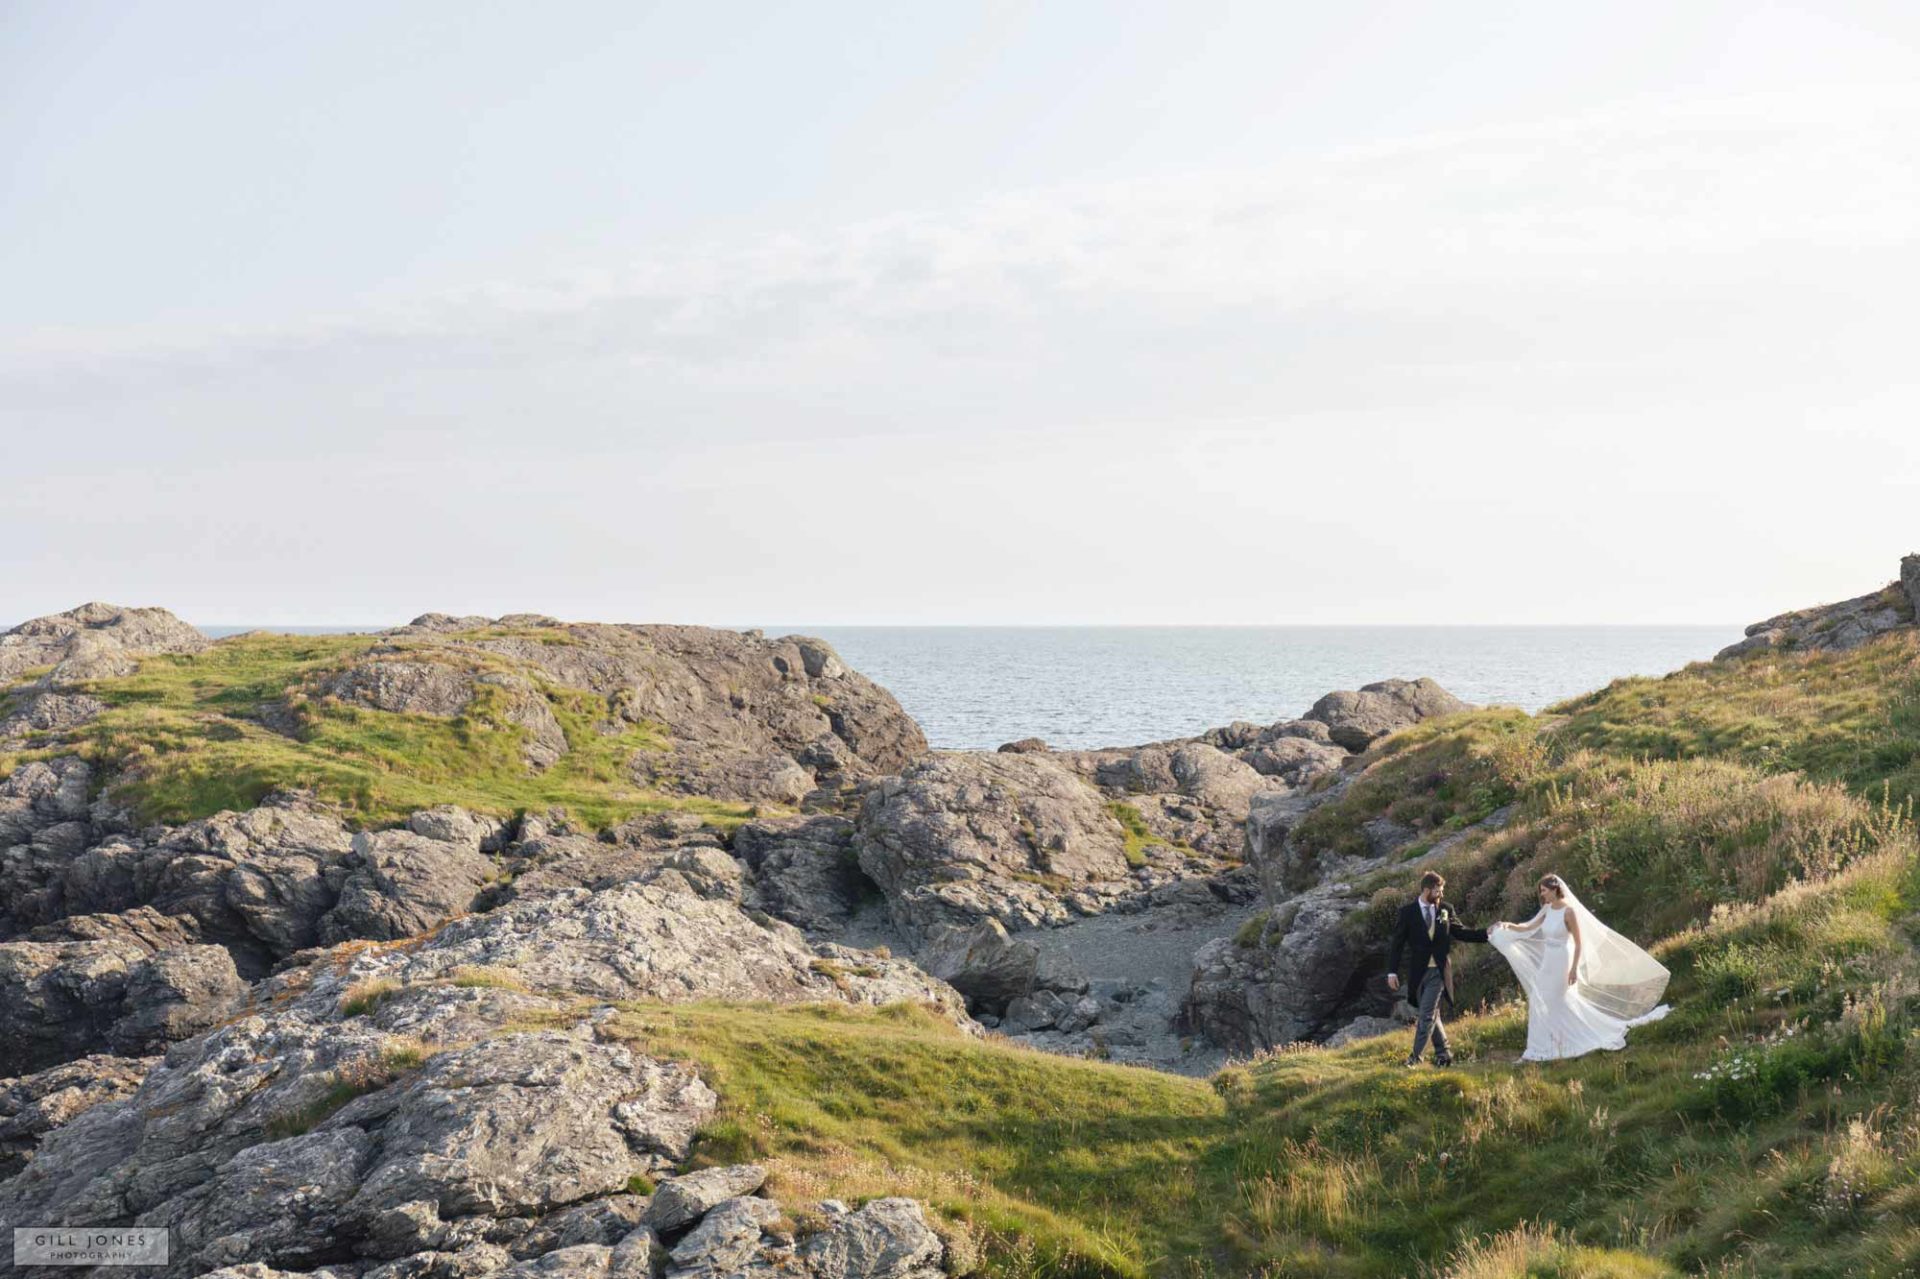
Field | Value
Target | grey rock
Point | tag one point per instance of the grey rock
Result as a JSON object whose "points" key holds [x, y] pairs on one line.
{"points": [[94, 641], [739, 711], [599, 1221], [1297, 761], [527, 708], [646, 941], [1364, 1028], [1082, 1013], [1838, 627], [439, 689], [982, 962], [687, 1198], [728, 1241], [885, 1239], [1024, 746], [32, 1106], [805, 870], [398, 884], [43, 793], [1356, 720], [64, 1000], [175, 994], [49, 712], [452, 825], [1038, 1011], [1287, 988], [240, 1144], [961, 837]]}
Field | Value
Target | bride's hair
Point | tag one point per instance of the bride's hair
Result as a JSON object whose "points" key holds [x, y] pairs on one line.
{"points": [[1553, 882]]}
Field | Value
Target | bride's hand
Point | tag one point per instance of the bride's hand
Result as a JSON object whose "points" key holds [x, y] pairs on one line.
{"points": [[1573, 975]]}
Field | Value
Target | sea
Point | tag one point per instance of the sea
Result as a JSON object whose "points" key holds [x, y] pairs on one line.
{"points": [[974, 687]]}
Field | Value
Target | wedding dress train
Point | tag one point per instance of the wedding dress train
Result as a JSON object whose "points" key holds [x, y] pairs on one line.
{"points": [[1619, 985]]}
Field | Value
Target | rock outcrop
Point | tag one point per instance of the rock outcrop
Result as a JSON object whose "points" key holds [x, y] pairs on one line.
{"points": [[648, 941], [744, 717], [31, 1106], [94, 641], [1841, 626], [63, 1000], [394, 1110], [961, 837], [1356, 720], [805, 870]]}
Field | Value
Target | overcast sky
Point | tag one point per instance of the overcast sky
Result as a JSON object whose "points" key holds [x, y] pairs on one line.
{"points": [[842, 313]]}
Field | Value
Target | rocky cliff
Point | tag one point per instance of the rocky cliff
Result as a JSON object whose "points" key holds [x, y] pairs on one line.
{"points": [[327, 1031], [1842, 626]]}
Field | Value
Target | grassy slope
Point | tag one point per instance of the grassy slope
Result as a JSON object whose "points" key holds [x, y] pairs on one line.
{"points": [[1767, 1127], [182, 739], [1847, 717]]}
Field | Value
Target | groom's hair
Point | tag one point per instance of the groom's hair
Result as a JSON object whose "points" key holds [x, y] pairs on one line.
{"points": [[1432, 879]]}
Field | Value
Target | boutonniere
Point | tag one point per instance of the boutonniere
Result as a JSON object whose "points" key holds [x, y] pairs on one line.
{"points": [[1444, 914]]}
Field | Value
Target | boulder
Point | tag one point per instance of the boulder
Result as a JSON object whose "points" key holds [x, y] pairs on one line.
{"points": [[398, 883], [49, 712], [685, 1199], [743, 717], [885, 1239], [1295, 760], [1910, 583], [606, 1222], [288, 1141], [41, 794], [1298, 975], [729, 1241], [1037, 1011], [961, 837], [1025, 746], [1356, 720], [982, 962]]}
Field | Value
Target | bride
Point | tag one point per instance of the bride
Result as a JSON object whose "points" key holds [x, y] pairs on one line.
{"points": [[1586, 984]]}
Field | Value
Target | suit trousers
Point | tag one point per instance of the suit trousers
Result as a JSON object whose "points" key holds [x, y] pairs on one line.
{"points": [[1426, 999]]}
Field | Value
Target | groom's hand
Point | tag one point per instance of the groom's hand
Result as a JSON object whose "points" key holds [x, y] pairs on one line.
{"points": [[1393, 981]]}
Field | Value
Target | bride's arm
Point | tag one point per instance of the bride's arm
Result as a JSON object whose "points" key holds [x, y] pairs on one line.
{"points": [[1530, 925], [1573, 927]]}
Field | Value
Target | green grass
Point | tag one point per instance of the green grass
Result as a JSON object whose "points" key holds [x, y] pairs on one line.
{"points": [[182, 738], [1341, 1163], [1079, 1167], [1852, 718], [1134, 827], [1435, 779], [1770, 1126], [1750, 821]]}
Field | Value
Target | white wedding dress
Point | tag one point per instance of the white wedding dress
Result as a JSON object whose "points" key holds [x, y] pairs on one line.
{"points": [[1619, 986]]}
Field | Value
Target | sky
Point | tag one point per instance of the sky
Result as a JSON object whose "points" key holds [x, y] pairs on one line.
{"points": [[958, 314]]}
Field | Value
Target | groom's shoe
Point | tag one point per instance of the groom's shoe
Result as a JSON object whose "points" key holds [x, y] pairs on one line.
{"points": [[1411, 1062], [1444, 1059]]}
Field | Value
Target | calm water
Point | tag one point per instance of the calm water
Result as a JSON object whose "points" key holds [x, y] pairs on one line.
{"points": [[976, 687], [1097, 686]]}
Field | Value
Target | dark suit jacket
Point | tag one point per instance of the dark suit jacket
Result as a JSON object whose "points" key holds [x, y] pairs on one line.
{"points": [[1410, 938]]}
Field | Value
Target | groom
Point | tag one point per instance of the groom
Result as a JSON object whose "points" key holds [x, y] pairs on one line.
{"points": [[1427, 927]]}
